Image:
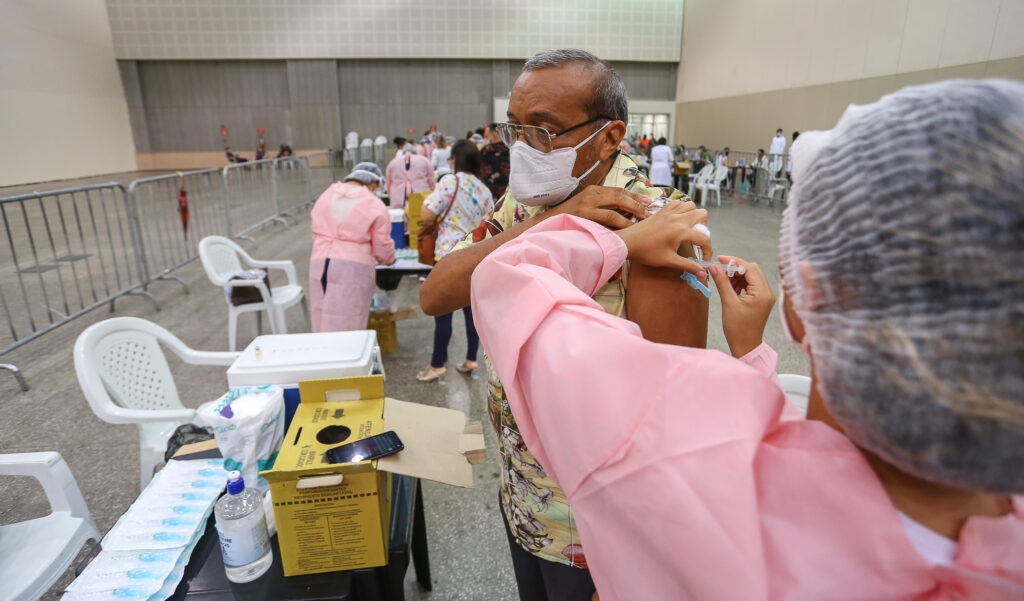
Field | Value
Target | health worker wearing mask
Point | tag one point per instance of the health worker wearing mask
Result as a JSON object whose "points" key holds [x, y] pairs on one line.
{"points": [[693, 478], [566, 120], [351, 234]]}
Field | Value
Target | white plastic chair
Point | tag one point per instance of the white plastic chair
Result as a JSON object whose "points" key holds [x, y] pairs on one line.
{"points": [[36, 552], [702, 175], [797, 389], [126, 379], [351, 140], [713, 184], [221, 256]]}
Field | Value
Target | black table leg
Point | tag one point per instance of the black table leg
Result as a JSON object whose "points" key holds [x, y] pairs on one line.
{"points": [[420, 557]]}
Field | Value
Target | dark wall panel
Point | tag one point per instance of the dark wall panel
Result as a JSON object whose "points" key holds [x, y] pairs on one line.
{"points": [[389, 96], [179, 106]]}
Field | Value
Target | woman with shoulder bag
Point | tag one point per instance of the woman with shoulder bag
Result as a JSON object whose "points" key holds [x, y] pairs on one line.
{"points": [[452, 211]]}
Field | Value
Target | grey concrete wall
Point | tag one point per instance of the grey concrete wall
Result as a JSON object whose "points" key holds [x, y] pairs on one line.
{"points": [[749, 121], [179, 106]]}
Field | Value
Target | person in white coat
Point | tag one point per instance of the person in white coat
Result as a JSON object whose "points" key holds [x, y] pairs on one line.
{"points": [[661, 164], [775, 152]]}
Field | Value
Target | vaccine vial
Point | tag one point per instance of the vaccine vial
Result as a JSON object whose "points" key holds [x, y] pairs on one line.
{"points": [[242, 528]]}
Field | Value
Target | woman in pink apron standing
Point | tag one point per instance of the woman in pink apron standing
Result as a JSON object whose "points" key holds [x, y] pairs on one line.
{"points": [[351, 234]]}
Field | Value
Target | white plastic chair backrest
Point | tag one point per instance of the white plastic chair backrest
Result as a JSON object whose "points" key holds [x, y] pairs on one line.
{"points": [[720, 174], [366, 142], [123, 355], [351, 139], [220, 255], [705, 172], [380, 140], [797, 389]]}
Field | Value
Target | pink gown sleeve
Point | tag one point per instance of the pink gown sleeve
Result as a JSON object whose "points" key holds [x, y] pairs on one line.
{"points": [[380, 235], [654, 444], [431, 177]]}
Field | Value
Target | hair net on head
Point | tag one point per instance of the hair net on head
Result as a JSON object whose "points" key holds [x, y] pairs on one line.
{"points": [[902, 252], [365, 173]]}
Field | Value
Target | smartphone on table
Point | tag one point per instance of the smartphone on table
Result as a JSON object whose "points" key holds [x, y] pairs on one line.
{"points": [[374, 447]]}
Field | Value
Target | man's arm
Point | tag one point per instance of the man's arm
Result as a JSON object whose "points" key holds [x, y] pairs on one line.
{"points": [[447, 287], [665, 307]]}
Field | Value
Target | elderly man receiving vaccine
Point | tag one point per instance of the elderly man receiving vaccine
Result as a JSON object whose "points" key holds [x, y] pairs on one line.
{"points": [[689, 475], [567, 116]]}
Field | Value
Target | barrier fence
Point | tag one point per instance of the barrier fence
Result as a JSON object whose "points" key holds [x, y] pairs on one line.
{"points": [[759, 179], [72, 250], [169, 232], [68, 251]]}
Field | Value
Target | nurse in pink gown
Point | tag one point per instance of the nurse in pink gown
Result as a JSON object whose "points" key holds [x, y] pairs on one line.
{"points": [[408, 173], [351, 234], [690, 475]]}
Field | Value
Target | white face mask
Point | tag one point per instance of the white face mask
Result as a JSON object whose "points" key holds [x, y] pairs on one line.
{"points": [[544, 178]]}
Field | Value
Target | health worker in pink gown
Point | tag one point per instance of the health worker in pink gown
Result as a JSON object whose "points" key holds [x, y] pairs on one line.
{"points": [[690, 475], [351, 234], [408, 173]]}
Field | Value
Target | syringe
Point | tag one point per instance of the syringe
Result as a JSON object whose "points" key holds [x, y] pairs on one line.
{"points": [[731, 268]]}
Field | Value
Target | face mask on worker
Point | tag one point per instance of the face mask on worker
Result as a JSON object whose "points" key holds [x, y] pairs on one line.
{"points": [[539, 178]]}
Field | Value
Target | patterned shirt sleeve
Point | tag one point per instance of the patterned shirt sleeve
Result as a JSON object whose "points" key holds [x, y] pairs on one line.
{"points": [[437, 201]]}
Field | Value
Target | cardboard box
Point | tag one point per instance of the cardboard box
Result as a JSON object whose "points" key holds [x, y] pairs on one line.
{"points": [[384, 325], [387, 332], [413, 209], [336, 516]]}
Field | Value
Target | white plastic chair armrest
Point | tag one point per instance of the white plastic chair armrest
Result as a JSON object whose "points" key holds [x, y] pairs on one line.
{"points": [[209, 357], [264, 291], [53, 473], [119, 415], [286, 266]]}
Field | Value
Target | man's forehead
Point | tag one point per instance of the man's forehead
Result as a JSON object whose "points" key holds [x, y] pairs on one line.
{"points": [[553, 95]]}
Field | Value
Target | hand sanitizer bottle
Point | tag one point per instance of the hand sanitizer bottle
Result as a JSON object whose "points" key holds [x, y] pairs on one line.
{"points": [[242, 528]]}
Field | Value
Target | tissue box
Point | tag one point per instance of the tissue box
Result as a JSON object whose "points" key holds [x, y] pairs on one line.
{"points": [[336, 516]]}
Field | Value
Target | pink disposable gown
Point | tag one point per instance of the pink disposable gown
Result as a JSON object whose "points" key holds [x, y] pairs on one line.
{"points": [[684, 481], [352, 244], [408, 174]]}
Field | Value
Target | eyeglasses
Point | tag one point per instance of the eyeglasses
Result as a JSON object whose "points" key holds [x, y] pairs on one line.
{"points": [[536, 137]]}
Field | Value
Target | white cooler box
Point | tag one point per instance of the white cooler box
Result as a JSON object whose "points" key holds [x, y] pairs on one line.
{"points": [[284, 359]]}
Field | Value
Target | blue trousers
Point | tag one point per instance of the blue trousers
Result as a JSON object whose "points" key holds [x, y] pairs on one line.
{"points": [[443, 334]]}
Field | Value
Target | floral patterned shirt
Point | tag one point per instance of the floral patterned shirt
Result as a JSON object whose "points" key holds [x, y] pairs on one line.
{"points": [[495, 167], [537, 510], [472, 203]]}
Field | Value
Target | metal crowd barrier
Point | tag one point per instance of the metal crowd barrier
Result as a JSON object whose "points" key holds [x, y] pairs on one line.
{"points": [[68, 251], [293, 183], [350, 156], [169, 231], [380, 155], [762, 183], [250, 193], [321, 172]]}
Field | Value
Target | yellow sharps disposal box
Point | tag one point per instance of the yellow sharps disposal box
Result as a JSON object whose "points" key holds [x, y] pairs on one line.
{"points": [[336, 516]]}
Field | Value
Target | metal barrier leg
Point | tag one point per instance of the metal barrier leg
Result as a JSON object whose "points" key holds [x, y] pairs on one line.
{"points": [[249, 238], [283, 221], [152, 299], [17, 374], [176, 279]]}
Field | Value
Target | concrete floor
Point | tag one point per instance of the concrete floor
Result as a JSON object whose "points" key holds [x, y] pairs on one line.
{"points": [[469, 555]]}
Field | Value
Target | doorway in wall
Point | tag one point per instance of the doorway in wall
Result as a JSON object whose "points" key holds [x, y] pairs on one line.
{"points": [[653, 125]]}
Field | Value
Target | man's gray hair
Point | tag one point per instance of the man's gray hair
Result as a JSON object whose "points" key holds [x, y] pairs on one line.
{"points": [[609, 97]]}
